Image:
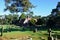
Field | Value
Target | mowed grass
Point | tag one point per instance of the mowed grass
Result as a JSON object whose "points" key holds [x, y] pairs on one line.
{"points": [[26, 34], [21, 35]]}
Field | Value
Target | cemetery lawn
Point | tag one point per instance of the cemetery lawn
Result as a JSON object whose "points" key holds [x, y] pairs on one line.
{"points": [[26, 34]]}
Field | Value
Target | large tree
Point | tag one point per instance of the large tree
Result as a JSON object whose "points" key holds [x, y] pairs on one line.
{"points": [[10, 18], [18, 5], [56, 14]]}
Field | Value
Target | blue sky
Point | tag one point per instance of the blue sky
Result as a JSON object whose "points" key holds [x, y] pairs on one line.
{"points": [[43, 7]]}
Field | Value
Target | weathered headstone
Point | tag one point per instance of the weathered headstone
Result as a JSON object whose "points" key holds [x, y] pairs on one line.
{"points": [[49, 31]]}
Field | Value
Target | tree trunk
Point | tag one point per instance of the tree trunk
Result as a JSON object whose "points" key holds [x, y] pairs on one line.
{"points": [[2, 31]]}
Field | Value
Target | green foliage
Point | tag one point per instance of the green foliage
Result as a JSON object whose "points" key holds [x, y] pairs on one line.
{"points": [[33, 21], [1, 21], [15, 16], [37, 17], [39, 22], [23, 16], [8, 18], [30, 14], [57, 20], [18, 5], [56, 13]]}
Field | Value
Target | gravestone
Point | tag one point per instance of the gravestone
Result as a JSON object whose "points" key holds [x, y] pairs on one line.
{"points": [[49, 37], [29, 39]]}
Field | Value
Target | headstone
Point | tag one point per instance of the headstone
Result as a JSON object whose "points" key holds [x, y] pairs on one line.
{"points": [[56, 38], [29, 39], [49, 31], [52, 38], [49, 38]]}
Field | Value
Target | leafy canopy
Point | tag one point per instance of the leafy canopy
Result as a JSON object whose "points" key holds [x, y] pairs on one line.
{"points": [[18, 5]]}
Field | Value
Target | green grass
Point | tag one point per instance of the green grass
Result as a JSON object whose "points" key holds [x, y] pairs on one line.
{"points": [[19, 34]]}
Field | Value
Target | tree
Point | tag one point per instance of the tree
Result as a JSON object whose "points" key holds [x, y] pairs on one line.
{"points": [[57, 20], [53, 19], [32, 24], [18, 5], [22, 16], [9, 19], [33, 21], [30, 14], [44, 20], [37, 17], [50, 23], [56, 11], [15, 19], [39, 22], [56, 14]]}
